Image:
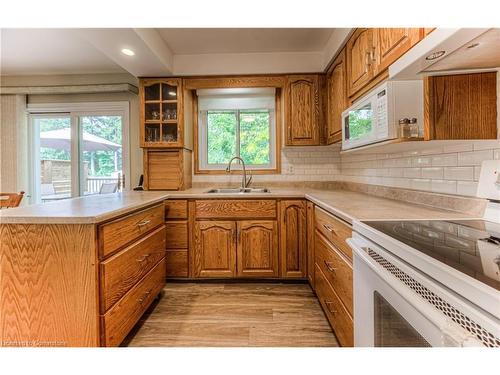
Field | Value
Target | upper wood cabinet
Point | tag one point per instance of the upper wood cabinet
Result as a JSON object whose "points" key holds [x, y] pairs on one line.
{"points": [[214, 249], [461, 106], [161, 112], [293, 230], [302, 110], [392, 43], [337, 100], [369, 52], [360, 56], [167, 169], [257, 248]]}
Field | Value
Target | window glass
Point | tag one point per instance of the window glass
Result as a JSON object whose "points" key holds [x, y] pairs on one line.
{"points": [[221, 136]]}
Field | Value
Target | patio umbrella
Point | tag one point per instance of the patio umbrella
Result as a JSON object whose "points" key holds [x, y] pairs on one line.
{"points": [[61, 139]]}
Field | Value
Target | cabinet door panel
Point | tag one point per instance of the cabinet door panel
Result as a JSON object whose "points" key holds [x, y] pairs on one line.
{"points": [[392, 43], [215, 249], [257, 248], [359, 59], [337, 98], [302, 110], [293, 239]]}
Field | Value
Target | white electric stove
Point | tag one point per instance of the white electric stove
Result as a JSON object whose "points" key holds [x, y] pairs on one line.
{"points": [[430, 282]]}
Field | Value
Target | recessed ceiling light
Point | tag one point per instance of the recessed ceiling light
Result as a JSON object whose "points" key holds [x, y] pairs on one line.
{"points": [[435, 55], [128, 52]]}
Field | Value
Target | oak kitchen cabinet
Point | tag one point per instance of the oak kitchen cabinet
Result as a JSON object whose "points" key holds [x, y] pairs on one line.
{"points": [[302, 110], [333, 273], [249, 238], [88, 284], [370, 51], [293, 251], [214, 249], [360, 58], [235, 238], [337, 99], [461, 106], [391, 43], [257, 248], [167, 169], [177, 237]]}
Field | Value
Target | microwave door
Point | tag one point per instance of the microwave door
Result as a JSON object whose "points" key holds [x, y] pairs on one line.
{"points": [[359, 127]]}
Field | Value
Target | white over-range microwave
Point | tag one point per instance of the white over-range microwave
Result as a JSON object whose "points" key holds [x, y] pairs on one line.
{"points": [[375, 117]]}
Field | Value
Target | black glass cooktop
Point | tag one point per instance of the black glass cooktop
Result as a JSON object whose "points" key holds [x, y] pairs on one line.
{"points": [[469, 246]]}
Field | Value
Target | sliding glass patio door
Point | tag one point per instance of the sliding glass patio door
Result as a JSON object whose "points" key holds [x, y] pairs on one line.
{"points": [[76, 153]]}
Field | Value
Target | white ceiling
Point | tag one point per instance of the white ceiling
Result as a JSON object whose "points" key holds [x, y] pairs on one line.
{"points": [[204, 41], [166, 52], [51, 51]]}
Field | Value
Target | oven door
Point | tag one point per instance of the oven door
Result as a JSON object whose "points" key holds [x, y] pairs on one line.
{"points": [[387, 313]]}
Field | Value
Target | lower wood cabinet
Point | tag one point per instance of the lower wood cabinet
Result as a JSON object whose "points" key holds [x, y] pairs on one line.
{"points": [[257, 248], [293, 257], [247, 248], [214, 249], [340, 320]]}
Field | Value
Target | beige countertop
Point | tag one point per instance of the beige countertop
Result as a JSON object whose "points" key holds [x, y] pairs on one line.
{"points": [[82, 210], [97, 208]]}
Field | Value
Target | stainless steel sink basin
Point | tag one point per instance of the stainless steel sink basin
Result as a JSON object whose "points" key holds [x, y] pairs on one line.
{"points": [[239, 190]]}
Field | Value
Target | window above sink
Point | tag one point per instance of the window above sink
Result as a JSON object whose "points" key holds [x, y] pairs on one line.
{"points": [[237, 122]]}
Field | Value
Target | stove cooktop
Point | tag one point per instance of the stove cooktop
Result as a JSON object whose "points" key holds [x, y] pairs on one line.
{"points": [[469, 246]]}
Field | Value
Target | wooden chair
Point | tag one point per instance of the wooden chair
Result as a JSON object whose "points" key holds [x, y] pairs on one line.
{"points": [[10, 200]]}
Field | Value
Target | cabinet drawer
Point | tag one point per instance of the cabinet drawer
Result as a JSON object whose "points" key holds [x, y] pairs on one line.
{"points": [[118, 233], [334, 230], [335, 311], [177, 263], [176, 209], [123, 270], [177, 234], [235, 208], [120, 319], [337, 270]]}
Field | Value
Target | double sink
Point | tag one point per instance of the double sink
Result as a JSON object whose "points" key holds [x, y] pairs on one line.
{"points": [[239, 191]]}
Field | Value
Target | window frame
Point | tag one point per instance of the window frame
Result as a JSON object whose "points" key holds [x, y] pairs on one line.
{"points": [[201, 165]]}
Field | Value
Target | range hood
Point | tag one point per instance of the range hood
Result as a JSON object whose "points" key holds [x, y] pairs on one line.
{"points": [[446, 51]]}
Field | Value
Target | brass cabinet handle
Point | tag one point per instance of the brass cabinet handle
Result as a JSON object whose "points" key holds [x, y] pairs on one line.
{"points": [[143, 223], [329, 228], [144, 257], [329, 267], [328, 303]]}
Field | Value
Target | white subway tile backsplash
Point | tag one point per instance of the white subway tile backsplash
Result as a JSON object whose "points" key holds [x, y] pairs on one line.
{"points": [[443, 186], [474, 157], [421, 184], [412, 172], [421, 161], [433, 173], [444, 160], [459, 173], [467, 188]]}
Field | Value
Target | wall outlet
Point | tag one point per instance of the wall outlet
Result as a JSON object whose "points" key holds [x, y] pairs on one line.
{"points": [[290, 169]]}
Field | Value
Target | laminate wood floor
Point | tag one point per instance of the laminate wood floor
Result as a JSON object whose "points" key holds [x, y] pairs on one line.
{"points": [[242, 314]]}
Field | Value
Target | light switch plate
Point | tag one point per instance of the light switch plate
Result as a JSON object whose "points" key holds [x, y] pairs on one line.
{"points": [[489, 180]]}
